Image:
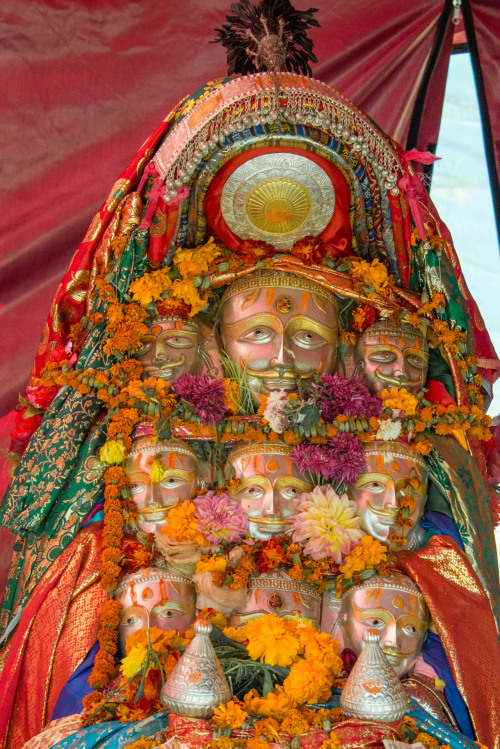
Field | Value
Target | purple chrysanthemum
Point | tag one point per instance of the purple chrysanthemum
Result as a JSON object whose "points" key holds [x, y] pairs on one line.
{"points": [[339, 462], [220, 518], [347, 452], [349, 397], [205, 394]]}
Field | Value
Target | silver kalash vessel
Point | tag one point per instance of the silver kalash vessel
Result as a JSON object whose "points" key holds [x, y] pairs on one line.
{"points": [[372, 690], [197, 684]]}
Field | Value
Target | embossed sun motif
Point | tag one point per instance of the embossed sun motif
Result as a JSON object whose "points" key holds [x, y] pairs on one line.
{"points": [[278, 206], [278, 198]]}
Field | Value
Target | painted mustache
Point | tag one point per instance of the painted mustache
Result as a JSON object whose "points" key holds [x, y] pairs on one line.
{"points": [[396, 653], [156, 509], [159, 364], [386, 512], [270, 520], [398, 380]]}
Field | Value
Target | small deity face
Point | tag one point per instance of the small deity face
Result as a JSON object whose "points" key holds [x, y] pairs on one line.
{"points": [[171, 348], [399, 616], [379, 492], [180, 481], [384, 360], [280, 334], [269, 482], [283, 598], [163, 603]]}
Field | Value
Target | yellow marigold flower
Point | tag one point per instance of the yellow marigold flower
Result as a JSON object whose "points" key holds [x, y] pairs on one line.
{"points": [[400, 400], [295, 723], [368, 554], [320, 647], [196, 261], [112, 452], [132, 663], [276, 705], [309, 682], [157, 470], [231, 715], [186, 292], [374, 274], [256, 743], [269, 727], [211, 564], [272, 640], [333, 742], [182, 524], [150, 286]]}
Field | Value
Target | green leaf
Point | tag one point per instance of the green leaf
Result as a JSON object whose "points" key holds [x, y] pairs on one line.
{"points": [[196, 281]]}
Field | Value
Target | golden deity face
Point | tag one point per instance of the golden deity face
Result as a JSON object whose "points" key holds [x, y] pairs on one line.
{"points": [[387, 357], [269, 483], [180, 479], [171, 348], [281, 331], [276, 593], [154, 598], [381, 488], [394, 607]]}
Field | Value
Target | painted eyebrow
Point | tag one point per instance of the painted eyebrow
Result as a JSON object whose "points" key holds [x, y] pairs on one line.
{"points": [[261, 481], [304, 323], [263, 319], [366, 478], [294, 482]]}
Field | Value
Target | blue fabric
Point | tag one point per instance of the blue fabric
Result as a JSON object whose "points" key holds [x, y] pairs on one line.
{"points": [[437, 524], [440, 731], [433, 653], [114, 735], [71, 695]]}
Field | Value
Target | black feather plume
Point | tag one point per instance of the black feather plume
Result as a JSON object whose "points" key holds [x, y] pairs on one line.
{"points": [[250, 30]]}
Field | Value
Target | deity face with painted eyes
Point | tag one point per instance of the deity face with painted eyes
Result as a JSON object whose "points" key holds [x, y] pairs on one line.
{"points": [[269, 483], [395, 607], [281, 327], [388, 356], [171, 347], [180, 481], [393, 474], [154, 598]]}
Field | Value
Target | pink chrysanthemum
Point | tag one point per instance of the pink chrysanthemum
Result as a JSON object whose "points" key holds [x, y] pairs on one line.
{"points": [[220, 518], [327, 522]]}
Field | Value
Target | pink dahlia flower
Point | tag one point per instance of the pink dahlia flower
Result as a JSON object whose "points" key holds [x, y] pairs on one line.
{"points": [[220, 518]]}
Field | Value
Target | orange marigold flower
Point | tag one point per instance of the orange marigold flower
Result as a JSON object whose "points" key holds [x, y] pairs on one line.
{"points": [[232, 715], [294, 723]]}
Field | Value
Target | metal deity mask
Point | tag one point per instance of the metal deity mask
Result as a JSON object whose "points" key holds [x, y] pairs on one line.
{"points": [[172, 347], [155, 597], [180, 481], [276, 593], [381, 487], [388, 356], [394, 606], [269, 482], [281, 327]]}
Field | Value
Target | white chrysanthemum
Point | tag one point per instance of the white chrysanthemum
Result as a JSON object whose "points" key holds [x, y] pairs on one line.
{"points": [[389, 430], [275, 411], [329, 523]]}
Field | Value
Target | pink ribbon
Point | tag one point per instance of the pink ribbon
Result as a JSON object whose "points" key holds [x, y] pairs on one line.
{"points": [[412, 186]]}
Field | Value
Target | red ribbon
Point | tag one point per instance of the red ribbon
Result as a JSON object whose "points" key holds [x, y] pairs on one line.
{"points": [[412, 186]]}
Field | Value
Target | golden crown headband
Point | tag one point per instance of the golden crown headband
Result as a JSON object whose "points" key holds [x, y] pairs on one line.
{"points": [[396, 581], [151, 575], [150, 445], [403, 331], [394, 450], [266, 448], [277, 280], [281, 581]]}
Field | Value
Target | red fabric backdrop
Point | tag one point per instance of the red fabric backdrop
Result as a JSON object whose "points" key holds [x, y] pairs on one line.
{"points": [[85, 81]]}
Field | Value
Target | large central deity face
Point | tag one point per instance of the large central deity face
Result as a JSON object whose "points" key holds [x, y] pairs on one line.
{"points": [[384, 484], [171, 348], [281, 327], [387, 357], [395, 608], [180, 479], [269, 483]]}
